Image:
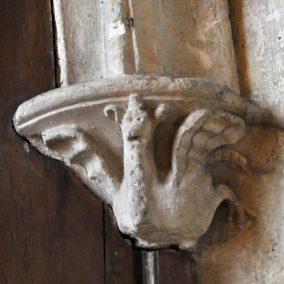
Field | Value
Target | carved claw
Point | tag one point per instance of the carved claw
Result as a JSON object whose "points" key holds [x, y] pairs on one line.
{"points": [[134, 114], [117, 113], [113, 112], [160, 113]]}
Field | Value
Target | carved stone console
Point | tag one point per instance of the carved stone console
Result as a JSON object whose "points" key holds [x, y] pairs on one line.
{"points": [[142, 144]]}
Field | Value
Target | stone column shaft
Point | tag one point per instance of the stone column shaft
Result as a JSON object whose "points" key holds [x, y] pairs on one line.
{"points": [[177, 38]]}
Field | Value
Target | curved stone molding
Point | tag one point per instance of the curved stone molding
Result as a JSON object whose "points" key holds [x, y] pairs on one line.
{"points": [[109, 133]]}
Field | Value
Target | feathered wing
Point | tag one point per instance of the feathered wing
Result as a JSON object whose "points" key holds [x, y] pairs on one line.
{"points": [[203, 131], [71, 145]]}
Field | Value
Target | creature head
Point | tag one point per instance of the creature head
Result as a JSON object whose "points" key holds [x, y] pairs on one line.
{"points": [[136, 124]]}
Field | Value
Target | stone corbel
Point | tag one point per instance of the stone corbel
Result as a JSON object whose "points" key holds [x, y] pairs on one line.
{"points": [[142, 145]]}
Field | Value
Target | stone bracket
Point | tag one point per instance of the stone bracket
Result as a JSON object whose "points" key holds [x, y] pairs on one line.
{"points": [[142, 144]]}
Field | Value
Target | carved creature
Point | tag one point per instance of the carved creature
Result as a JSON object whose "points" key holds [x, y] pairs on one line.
{"points": [[182, 206]]}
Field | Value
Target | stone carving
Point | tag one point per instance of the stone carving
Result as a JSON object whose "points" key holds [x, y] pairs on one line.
{"points": [[174, 210], [155, 209]]}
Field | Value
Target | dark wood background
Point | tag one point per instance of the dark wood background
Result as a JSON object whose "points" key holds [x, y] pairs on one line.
{"points": [[52, 229]]}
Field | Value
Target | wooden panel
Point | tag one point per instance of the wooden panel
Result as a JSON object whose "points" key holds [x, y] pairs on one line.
{"points": [[123, 265], [51, 227], [175, 267]]}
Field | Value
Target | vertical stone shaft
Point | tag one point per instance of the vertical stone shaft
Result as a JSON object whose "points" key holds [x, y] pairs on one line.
{"points": [[176, 38]]}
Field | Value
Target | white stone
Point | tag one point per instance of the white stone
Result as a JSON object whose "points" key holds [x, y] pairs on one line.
{"points": [[157, 205], [175, 38]]}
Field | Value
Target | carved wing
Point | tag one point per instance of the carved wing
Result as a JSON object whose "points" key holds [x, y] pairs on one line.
{"points": [[203, 131], [71, 145]]}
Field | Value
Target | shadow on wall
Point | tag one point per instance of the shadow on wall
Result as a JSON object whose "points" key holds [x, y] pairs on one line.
{"points": [[238, 31], [253, 255], [228, 253], [254, 252]]}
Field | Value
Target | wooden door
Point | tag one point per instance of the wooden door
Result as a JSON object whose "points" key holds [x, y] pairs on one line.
{"points": [[52, 229]]}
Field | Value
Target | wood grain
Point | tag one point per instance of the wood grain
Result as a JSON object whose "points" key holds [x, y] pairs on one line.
{"points": [[51, 228], [175, 267], [123, 264]]}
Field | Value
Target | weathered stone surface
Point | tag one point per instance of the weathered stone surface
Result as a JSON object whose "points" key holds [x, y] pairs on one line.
{"points": [[256, 255], [168, 204], [259, 38], [169, 38], [79, 40]]}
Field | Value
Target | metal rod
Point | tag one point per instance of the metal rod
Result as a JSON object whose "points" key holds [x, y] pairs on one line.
{"points": [[150, 268]]}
